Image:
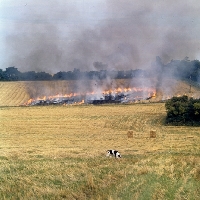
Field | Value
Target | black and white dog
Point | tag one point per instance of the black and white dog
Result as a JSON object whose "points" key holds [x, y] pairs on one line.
{"points": [[113, 153]]}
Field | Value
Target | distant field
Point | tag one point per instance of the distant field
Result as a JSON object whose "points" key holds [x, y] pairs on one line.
{"points": [[17, 93], [58, 152]]}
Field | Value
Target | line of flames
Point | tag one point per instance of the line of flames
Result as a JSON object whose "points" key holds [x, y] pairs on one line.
{"points": [[151, 93]]}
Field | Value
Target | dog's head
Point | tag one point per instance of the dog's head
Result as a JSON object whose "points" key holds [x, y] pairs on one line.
{"points": [[108, 153]]}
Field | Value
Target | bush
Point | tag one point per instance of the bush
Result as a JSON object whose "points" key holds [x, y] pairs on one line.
{"points": [[183, 111]]}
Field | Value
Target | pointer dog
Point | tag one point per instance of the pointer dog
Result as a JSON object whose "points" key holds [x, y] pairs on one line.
{"points": [[113, 153]]}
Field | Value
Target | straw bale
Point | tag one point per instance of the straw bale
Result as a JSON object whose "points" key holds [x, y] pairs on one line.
{"points": [[152, 134], [130, 134]]}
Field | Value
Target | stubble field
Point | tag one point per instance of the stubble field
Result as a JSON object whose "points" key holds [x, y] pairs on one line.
{"points": [[58, 152]]}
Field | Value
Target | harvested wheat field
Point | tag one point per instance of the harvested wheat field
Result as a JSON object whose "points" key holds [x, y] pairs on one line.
{"points": [[17, 93], [58, 152]]}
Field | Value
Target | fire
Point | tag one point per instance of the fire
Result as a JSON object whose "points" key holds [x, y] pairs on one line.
{"points": [[153, 94], [82, 102], [126, 94], [30, 101]]}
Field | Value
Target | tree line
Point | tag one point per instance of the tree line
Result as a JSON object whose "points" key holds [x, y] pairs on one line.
{"points": [[13, 74], [182, 69]]}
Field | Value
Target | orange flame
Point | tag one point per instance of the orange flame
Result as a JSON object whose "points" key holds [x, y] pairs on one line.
{"points": [[151, 92]]}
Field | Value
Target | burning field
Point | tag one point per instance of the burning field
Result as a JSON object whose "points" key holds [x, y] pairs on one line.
{"points": [[103, 92], [119, 95], [89, 92], [31, 93]]}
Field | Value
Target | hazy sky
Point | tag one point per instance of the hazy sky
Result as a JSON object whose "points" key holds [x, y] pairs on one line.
{"points": [[60, 35]]}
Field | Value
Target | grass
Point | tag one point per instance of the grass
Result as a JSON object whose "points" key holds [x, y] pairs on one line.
{"points": [[58, 152]]}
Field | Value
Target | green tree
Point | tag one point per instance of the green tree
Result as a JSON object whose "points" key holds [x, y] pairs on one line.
{"points": [[183, 110]]}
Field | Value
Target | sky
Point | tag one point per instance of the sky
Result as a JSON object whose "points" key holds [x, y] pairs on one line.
{"points": [[61, 35]]}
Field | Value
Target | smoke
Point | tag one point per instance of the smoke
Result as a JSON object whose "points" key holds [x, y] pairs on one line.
{"points": [[100, 66], [60, 36], [55, 36]]}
